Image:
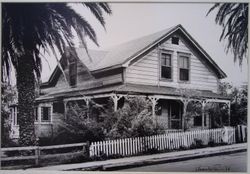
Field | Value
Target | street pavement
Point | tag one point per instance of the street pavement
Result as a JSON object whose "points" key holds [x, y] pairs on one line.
{"points": [[236, 162]]}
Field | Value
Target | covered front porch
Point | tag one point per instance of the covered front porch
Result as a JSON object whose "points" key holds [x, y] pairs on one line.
{"points": [[180, 113], [170, 106]]}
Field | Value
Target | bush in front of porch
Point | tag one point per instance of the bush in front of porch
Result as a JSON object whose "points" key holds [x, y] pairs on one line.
{"points": [[134, 119], [78, 127]]}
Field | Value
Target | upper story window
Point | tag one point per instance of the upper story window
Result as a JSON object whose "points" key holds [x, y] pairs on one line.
{"points": [[72, 71], [166, 65], [46, 113], [184, 67], [175, 40]]}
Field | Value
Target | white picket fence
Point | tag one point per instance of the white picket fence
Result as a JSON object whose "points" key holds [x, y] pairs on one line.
{"points": [[169, 141]]}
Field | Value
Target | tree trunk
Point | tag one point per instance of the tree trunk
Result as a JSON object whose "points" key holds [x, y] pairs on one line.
{"points": [[26, 100]]}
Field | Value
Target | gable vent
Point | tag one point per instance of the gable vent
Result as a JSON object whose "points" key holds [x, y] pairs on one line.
{"points": [[175, 40]]}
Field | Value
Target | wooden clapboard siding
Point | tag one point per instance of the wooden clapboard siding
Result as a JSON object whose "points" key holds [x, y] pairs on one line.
{"points": [[146, 70]]}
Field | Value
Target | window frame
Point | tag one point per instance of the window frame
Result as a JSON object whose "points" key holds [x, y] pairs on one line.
{"points": [[36, 114], [40, 120], [169, 52], [49, 113], [188, 55]]}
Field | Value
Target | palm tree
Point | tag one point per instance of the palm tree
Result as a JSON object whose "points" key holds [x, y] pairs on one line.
{"points": [[29, 28], [233, 17]]}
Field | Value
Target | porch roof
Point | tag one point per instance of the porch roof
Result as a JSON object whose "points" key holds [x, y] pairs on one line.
{"points": [[133, 89]]}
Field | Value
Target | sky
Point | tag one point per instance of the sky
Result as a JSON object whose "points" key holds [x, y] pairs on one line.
{"points": [[132, 20]]}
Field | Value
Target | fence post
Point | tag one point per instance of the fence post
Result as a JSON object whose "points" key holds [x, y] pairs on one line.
{"points": [[37, 154], [86, 149]]}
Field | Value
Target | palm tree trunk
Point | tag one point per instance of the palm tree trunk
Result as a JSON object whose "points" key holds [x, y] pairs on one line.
{"points": [[26, 100]]}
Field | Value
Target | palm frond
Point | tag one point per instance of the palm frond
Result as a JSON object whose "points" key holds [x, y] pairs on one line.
{"points": [[233, 17], [47, 26]]}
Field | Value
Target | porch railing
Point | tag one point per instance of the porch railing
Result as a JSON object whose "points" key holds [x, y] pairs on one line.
{"points": [[163, 142]]}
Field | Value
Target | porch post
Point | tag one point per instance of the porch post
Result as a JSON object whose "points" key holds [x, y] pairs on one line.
{"points": [[203, 103], [115, 98], [87, 105], [229, 113], [65, 109], [154, 102], [185, 103]]}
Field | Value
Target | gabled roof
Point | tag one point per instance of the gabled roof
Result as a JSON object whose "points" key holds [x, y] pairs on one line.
{"points": [[122, 54]]}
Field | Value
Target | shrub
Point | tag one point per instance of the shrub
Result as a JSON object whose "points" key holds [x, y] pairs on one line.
{"points": [[199, 143], [78, 128], [151, 151], [134, 119], [211, 143]]}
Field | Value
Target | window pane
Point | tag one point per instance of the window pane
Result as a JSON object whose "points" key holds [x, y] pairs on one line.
{"points": [[166, 72], [180, 62], [163, 61], [184, 74], [46, 113], [166, 59], [183, 62]]}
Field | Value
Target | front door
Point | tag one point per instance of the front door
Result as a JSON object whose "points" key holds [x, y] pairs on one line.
{"points": [[175, 115]]}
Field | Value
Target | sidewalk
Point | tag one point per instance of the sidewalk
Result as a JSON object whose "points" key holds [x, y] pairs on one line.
{"points": [[127, 162]]}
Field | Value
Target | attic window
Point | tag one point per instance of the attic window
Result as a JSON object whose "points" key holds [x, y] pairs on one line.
{"points": [[175, 40], [72, 71]]}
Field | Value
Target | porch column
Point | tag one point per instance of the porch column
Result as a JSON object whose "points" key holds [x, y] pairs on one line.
{"points": [[203, 103], [65, 109], [229, 113], [115, 98], [154, 102], [185, 103], [87, 105]]}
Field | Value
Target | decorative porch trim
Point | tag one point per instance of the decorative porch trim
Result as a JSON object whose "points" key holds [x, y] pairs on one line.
{"points": [[185, 103], [154, 103]]}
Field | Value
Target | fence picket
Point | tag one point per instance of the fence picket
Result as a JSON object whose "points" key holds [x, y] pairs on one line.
{"points": [[168, 141]]}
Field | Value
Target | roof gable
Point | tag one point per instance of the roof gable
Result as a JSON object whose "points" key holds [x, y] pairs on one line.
{"points": [[123, 54]]}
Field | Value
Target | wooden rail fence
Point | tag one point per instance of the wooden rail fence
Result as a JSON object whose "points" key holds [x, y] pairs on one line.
{"points": [[169, 141], [38, 153]]}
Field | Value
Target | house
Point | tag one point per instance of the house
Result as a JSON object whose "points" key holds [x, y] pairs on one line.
{"points": [[168, 67]]}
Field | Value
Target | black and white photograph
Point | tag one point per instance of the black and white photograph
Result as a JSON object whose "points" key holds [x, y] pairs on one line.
{"points": [[124, 86]]}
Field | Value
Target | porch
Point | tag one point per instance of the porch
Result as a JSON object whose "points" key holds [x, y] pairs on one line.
{"points": [[169, 105]]}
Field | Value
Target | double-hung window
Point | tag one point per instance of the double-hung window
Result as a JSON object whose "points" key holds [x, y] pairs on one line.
{"points": [[184, 67], [46, 113], [166, 66]]}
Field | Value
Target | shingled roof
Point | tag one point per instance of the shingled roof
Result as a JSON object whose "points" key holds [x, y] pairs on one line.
{"points": [[132, 89], [119, 55]]}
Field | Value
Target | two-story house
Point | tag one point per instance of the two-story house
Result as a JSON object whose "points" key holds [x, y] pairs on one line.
{"points": [[168, 67]]}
